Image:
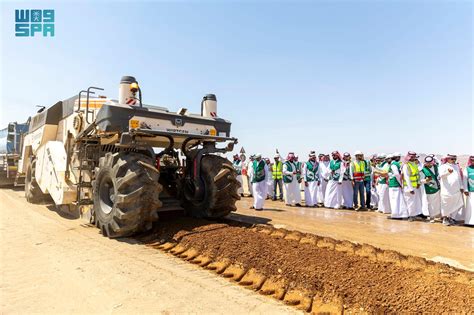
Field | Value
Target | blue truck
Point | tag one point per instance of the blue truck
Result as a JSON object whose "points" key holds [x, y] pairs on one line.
{"points": [[11, 141]]}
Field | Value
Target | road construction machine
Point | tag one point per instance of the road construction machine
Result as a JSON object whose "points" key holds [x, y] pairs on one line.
{"points": [[11, 139], [122, 162]]}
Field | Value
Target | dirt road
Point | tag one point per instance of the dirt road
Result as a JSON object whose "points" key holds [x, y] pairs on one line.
{"points": [[50, 264], [53, 264]]}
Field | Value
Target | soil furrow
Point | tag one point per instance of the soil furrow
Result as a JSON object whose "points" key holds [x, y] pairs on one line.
{"points": [[317, 274]]}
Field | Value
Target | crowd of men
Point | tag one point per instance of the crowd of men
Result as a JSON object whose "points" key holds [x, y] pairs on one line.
{"points": [[407, 189]]}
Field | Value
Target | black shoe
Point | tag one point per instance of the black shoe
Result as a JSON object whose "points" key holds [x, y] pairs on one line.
{"points": [[252, 207], [259, 209], [241, 195], [298, 205]]}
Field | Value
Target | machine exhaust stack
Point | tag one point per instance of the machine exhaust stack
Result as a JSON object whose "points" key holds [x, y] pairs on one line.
{"points": [[128, 91], [209, 106]]}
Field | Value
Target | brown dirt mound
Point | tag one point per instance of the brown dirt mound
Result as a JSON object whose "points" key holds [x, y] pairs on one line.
{"points": [[361, 277]]}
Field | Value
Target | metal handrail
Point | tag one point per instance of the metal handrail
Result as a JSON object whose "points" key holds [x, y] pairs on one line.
{"points": [[79, 100], [87, 103]]}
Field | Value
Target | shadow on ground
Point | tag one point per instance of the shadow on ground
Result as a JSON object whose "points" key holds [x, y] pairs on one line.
{"points": [[65, 212]]}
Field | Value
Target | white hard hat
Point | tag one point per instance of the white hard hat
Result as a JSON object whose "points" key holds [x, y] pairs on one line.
{"points": [[276, 156], [396, 154], [382, 155], [258, 155], [358, 152]]}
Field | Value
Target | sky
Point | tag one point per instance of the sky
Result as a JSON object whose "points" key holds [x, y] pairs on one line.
{"points": [[376, 76]]}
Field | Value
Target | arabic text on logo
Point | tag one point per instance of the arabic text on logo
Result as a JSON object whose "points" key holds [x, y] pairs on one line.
{"points": [[29, 23]]}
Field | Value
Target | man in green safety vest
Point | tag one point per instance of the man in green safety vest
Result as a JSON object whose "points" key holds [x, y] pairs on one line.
{"points": [[277, 173], [333, 196], [299, 172], [310, 175], [398, 206], [292, 188], [298, 165], [429, 178], [381, 171], [258, 178], [469, 191]]}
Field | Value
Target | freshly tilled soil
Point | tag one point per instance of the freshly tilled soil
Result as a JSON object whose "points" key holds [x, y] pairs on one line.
{"points": [[319, 274]]}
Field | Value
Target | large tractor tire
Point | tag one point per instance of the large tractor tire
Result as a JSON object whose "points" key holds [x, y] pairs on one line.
{"points": [[126, 194], [221, 185], [33, 192]]}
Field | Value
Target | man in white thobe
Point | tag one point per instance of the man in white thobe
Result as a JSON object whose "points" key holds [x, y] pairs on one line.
{"points": [[411, 186], [290, 182], [381, 170], [333, 196], [346, 186], [258, 176], [397, 202], [310, 174], [299, 172], [429, 178], [237, 163], [324, 173], [248, 167], [452, 189], [469, 191], [269, 179], [374, 196]]}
